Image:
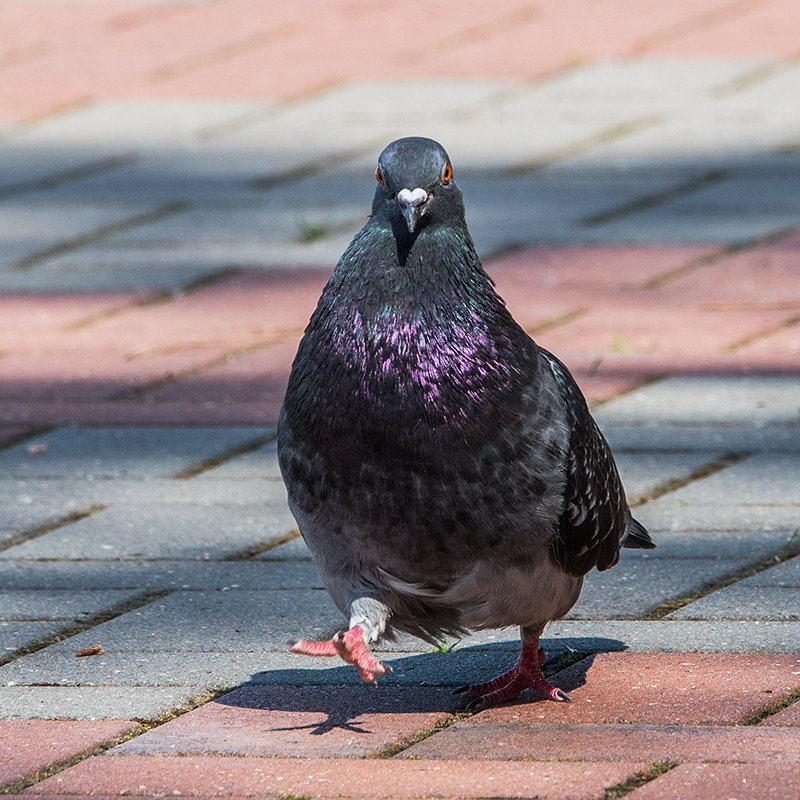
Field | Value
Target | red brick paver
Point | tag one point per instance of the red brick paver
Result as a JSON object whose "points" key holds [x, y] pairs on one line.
{"points": [[724, 782], [305, 721], [673, 688], [351, 778], [29, 746]]}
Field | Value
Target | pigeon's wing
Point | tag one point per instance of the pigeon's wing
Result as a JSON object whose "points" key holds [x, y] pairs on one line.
{"points": [[596, 517]]}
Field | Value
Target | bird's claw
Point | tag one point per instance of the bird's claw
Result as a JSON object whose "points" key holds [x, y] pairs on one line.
{"points": [[350, 648], [561, 695]]}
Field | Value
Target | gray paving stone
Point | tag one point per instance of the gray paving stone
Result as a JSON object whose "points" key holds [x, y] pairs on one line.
{"points": [[643, 472], [162, 669], [700, 436], [29, 498], [53, 576], [745, 602], [121, 452], [739, 546], [758, 401], [636, 586], [700, 636], [93, 702], [15, 635], [33, 223], [762, 479], [786, 574], [295, 549], [650, 83], [171, 531], [672, 513], [71, 604], [215, 621], [259, 464]]}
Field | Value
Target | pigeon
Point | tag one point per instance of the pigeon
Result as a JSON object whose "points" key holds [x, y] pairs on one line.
{"points": [[443, 469]]}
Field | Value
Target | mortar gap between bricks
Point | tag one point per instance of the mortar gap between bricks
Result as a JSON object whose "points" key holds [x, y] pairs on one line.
{"points": [[771, 237], [31, 433], [773, 708], [604, 136], [639, 383], [312, 167], [654, 199], [764, 333], [69, 175], [199, 369], [214, 461], [52, 525], [159, 297], [246, 553], [92, 621], [673, 484], [19, 786], [674, 604], [657, 768], [392, 750], [100, 233]]}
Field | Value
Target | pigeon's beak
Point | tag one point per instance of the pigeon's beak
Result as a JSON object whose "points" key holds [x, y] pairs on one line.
{"points": [[412, 204]]}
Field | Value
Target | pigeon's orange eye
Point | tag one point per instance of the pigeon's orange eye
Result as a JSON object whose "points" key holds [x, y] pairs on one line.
{"points": [[379, 177], [447, 173]]}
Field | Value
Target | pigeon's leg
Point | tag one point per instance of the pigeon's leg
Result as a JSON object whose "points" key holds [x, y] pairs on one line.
{"points": [[526, 673], [367, 622]]}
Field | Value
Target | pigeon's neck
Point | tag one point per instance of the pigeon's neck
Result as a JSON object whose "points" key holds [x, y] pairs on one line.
{"points": [[426, 340]]}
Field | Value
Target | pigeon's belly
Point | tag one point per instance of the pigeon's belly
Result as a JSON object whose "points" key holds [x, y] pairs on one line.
{"points": [[430, 522]]}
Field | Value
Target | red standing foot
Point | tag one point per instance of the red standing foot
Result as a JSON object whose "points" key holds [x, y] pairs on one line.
{"points": [[525, 674], [350, 648]]}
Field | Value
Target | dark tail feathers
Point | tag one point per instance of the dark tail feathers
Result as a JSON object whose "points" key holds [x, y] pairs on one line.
{"points": [[638, 537]]}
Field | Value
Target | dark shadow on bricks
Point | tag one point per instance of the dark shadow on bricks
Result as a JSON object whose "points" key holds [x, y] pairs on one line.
{"points": [[339, 695]]}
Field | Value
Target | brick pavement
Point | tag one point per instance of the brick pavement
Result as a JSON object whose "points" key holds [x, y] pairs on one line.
{"points": [[177, 180]]}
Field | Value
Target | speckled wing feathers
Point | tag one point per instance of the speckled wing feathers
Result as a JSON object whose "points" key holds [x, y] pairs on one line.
{"points": [[595, 519]]}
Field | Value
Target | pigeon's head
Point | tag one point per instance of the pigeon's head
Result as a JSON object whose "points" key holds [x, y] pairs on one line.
{"points": [[415, 178]]}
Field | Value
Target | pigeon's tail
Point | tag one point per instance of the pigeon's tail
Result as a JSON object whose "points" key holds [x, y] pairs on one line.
{"points": [[638, 537]]}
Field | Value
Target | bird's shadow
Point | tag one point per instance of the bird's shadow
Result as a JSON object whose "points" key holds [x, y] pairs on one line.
{"points": [[335, 699]]}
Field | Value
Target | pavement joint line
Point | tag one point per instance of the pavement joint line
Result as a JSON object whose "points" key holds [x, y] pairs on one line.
{"points": [[60, 109], [30, 433], [772, 709], [752, 78], [471, 35], [269, 109], [771, 237], [157, 297], [558, 320], [246, 553], [69, 175], [657, 768], [663, 609], [18, 786], [739, 344], [222, 53], [199, 369], [690, 25], [634, 386], [145, 16], [655, 199], [312, 167], [91, 621], [579, 146], [214, 461], [52, 525], [673, 484], [100, 233], [393, 749], [19, 55]]}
